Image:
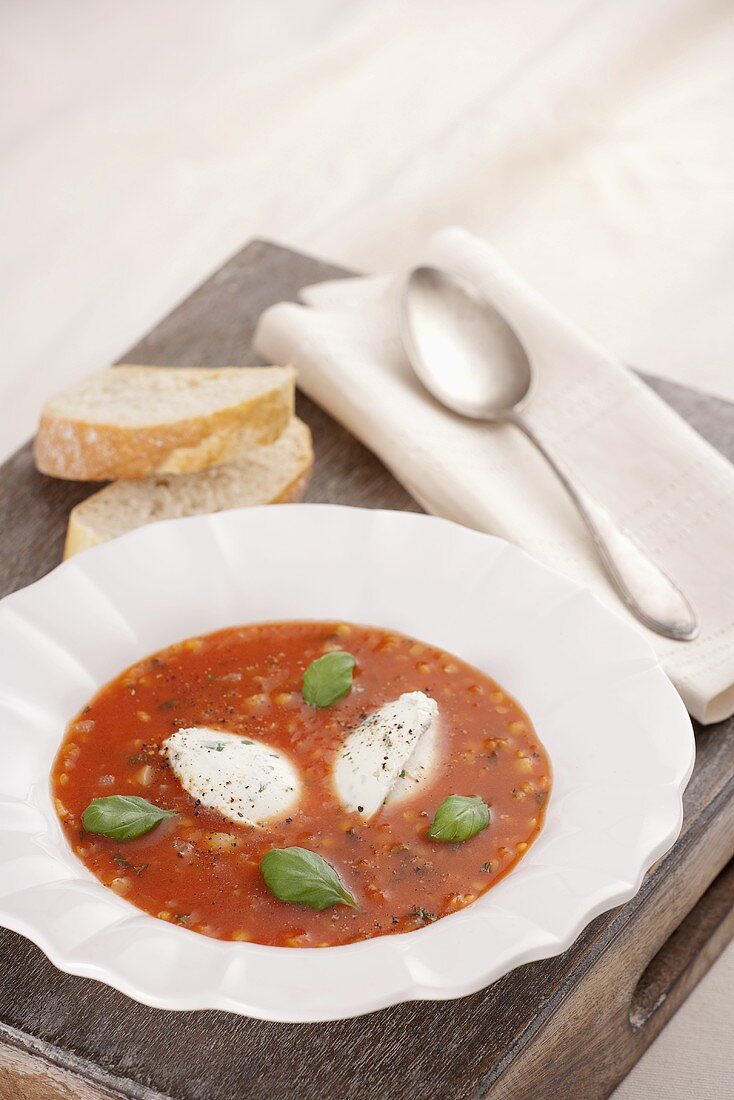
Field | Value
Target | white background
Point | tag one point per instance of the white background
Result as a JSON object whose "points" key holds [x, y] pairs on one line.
{"points": [[141, 143]]}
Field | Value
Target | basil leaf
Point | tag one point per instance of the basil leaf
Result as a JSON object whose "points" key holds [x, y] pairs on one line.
{"points": [[459, 818], [303, 878], [122, 816], [328, 678]]}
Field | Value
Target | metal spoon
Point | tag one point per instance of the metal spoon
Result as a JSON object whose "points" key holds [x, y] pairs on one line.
{"points": [[467, 355]]}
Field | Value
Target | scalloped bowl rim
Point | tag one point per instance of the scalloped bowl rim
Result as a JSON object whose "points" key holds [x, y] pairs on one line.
{"points": [[599, 839]]}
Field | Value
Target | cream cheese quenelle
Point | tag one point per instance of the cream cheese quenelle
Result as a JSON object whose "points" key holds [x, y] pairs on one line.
{"points": [[389, 754], [244, 780]]}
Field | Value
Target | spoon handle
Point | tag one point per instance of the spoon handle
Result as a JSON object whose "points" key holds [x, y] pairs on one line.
{"points": [[647, 592]]}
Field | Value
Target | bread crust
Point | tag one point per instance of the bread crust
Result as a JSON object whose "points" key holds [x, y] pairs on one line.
{"points": [[81, 451]]}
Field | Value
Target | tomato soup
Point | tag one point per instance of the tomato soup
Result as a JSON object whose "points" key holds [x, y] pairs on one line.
{"points": [[200, 868]]}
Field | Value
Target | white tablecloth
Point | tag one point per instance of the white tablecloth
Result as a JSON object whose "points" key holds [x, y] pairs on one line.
{"points": [[590, 140]]}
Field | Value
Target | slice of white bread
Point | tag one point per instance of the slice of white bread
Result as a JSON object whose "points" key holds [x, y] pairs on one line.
{"points": [[274, 474], [135, 421]]}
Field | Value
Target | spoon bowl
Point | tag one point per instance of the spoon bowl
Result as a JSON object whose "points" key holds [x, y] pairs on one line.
{"points": [[462, 349]]}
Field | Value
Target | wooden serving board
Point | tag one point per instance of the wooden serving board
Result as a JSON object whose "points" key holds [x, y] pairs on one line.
{"points": [[570, 1026]]}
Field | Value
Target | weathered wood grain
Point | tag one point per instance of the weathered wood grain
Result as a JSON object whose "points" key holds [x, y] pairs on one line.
{"points": [[31, 1077], [570, 1026]]}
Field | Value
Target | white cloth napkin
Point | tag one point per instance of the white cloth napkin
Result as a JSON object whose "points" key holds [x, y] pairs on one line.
{"points": [[656, 475]]}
